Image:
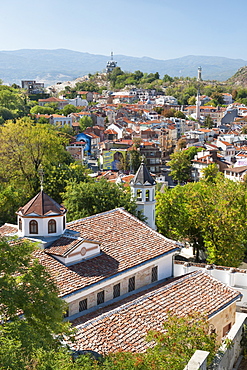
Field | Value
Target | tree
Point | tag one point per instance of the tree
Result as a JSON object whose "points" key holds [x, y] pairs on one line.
{"points": [[209, 215], [244, 129], [181, 144], [56, 178], [31, 312], [210, 172], [180, 166], [180, 338], [85, 199], [24, 147], [167, 78], [209, 122], [85, 122], [179, 114], [169, 112], [38, 109], [192, 100], [69, 108], [217, 98]]}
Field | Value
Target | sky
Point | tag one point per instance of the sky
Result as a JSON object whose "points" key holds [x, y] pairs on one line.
{"points": [[158, 29]]}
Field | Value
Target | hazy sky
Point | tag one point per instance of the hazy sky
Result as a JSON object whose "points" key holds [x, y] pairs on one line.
{"points": [[159, 29]]}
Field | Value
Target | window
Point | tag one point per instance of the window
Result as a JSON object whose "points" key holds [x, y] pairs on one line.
{"points": [[101, 297], [154, 274], [131, 283], [83, 305], [33, 227], [51, 226], [64, 223], [226, 329], [139, 194], [116, 290], [20, 224], [147, 195]]}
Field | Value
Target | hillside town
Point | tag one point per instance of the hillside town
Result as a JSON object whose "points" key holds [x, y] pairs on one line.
{"points": [[121, 272]]}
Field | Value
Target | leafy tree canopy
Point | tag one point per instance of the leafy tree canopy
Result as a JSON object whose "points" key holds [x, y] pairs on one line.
{"points": [[31, 312], [24, 147], [209, 215], [85, 199]]}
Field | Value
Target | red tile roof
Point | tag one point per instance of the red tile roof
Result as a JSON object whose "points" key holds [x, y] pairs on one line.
{"points": [[125, 242], [8, 229], [42, 205], [125, 327]]}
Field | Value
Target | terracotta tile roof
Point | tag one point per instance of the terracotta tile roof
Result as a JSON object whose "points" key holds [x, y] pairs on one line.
{"points": [[52, 99], [126, 326], [8, 229], [125, 242], [110, 132], [42, 205], [63, 245]]}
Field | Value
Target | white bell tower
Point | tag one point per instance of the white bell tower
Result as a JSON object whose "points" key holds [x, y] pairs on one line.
{"points": [[143, 190]]}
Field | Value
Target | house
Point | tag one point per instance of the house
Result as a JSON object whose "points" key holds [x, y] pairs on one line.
{"points": [[60, 102], [60, 120], [235, 173]]}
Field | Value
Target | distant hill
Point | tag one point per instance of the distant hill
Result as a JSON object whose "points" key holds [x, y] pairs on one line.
{"points": [[240, 77], [51, 66]]}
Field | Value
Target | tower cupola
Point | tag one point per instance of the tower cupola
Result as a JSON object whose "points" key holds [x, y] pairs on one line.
{"points": [[143, 190], [41, 218]]}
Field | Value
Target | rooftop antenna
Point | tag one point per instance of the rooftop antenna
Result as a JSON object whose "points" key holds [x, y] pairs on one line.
{"points": [[41, 177]]}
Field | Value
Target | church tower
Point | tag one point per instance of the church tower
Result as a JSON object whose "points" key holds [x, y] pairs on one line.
{"points": [[143, 190]]}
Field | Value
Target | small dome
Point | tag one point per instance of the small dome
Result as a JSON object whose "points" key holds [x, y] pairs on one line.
{"points": [[42, 205]]}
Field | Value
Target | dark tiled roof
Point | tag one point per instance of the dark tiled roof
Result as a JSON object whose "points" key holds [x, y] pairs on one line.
{"points": [[125, 243], [126, 326], [42, 205], [143, 176]]}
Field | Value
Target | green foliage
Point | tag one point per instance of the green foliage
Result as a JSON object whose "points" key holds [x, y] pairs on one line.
{"points": [[31, 312], [57, 177], [37, 109], [85, 199], [208, 214], [182, 336], [180, 166], [24, 147], [85, 122], [120, 79], [209, 122], [179, 114], [11, 198], [134, 160], [69, 108], [210, 172]]}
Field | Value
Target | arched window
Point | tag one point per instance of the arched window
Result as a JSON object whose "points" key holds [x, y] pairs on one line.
{"points": [[139, 194], [52, 227], [147, 195], [33, 227], [20, 224]]}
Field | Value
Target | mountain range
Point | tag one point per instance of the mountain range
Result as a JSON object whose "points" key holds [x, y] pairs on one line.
{"points": [[51, 66]]}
